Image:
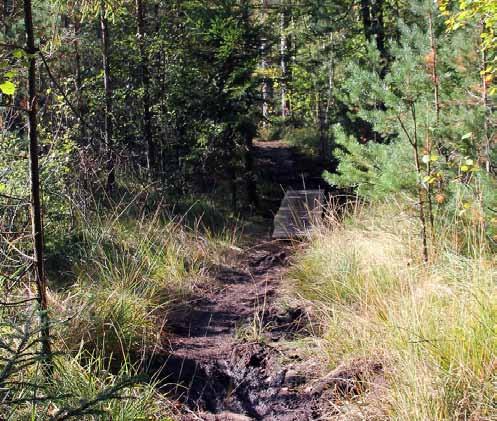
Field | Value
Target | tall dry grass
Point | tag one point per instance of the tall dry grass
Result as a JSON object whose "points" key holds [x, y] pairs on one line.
{"points": [[434, 326]]}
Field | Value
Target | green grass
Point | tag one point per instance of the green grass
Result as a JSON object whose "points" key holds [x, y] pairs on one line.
{"points": [[114, 274], [305, 139], [433, 326], [84, 387], [128, 274]]}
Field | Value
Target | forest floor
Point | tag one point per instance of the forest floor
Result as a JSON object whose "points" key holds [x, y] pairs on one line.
{"points": [[243, 349]]}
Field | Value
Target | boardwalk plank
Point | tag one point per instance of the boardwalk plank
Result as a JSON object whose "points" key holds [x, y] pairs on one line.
{"points": [[298, 209]]}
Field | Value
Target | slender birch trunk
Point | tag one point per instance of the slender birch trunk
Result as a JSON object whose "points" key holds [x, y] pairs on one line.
{"points": [[108, 126], [145, 82]]}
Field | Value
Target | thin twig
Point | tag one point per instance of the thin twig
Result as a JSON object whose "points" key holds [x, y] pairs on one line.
{"points": [[17, 303]]}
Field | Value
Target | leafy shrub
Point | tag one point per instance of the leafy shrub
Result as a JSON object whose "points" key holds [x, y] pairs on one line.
{"points": [[306, 139]]}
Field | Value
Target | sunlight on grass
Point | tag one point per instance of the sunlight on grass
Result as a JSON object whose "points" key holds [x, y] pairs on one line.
{"points": [[434, 326]]}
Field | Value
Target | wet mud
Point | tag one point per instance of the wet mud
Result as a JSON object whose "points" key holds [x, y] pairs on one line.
{"points": [[215, 370]]}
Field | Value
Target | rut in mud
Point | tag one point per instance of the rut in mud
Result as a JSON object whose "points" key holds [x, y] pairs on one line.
{"points": [[209, 367]]}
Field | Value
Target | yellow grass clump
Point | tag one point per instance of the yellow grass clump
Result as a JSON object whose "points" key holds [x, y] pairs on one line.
{"points": [[433, 325]]}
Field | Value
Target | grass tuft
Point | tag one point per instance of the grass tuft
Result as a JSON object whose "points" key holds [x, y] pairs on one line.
{"points": [[433, 325], [128, 275]]}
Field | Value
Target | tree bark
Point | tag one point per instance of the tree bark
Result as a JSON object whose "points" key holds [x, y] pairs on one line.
{"points": [[436, 93], [378, 28], [6, 12], [417, 162], [374, 28], [108, 126], [36, 213], [434, 71], [366, 19], [145, 82], [324, 108], [284, 61], [266, 89], [251, 180], [414, 141], [79, 79], [323, 129], [486, 108]]}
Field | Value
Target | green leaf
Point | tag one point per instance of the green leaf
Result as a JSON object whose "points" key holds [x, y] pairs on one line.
{"points": [[10, 74], [434, 158], [7, 88], [467, 136], [426, 159], [464, 168], [19, 53]]}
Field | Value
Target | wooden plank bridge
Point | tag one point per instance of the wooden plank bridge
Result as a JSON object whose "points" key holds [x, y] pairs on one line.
{"points": [[299, 208]]}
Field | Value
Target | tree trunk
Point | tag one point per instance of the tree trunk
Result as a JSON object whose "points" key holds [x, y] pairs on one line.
{"points": [[378, 29], [436, 93], [417, 162], [325, 127], [323, 130], [284, 61], [374, 28], [414, 141], [486, 108], [366, 19], [252, 196], [108, 126], [36, 215], [6, 12], [145, 82], [79, 79], [266, 89], [434, 71]]}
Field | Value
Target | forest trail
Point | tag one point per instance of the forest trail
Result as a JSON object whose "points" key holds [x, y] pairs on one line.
{"points": [[233, 353], [282, 167], [223, 360]]}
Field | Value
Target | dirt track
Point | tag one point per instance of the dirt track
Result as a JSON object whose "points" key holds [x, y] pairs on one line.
{"points": [[224, 362], [229, 356]]}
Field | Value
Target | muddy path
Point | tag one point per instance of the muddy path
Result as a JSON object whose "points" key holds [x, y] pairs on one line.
{"points": [[233, 353], [229, 354], [221, 362]]}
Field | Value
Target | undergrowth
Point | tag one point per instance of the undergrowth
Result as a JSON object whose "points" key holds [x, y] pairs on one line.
{"points": [[126, 273], [114, 274], [433, 325]]}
